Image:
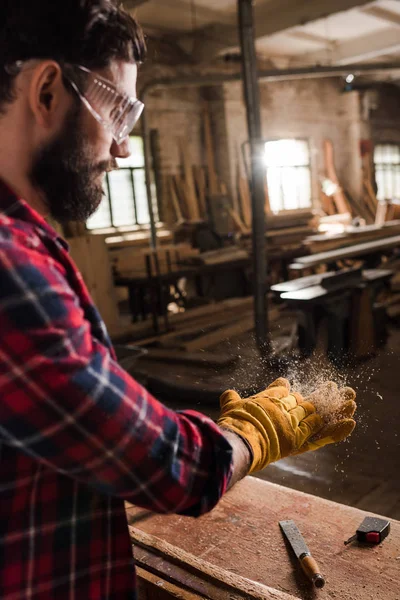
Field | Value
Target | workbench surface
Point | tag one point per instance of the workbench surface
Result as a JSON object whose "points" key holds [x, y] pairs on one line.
{"points": [[242, 535]]}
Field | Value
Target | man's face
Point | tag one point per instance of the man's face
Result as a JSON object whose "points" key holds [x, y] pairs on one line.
{"points": [[69, 170]]}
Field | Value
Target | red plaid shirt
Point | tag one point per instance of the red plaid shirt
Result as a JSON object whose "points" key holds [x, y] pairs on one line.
{"points": [[78, 435]]}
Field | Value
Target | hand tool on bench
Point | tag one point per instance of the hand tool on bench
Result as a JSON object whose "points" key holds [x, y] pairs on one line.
{"points": [[371, 531], [300, 548]]}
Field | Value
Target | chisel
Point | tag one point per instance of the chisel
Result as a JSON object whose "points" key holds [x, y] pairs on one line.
{"points": [[302, 552]]}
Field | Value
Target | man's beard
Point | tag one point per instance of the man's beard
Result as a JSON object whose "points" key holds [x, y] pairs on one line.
{"points": [[66, 175]]}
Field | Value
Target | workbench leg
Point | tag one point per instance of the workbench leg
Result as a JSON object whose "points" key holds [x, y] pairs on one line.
{"points": [[307, 332]]}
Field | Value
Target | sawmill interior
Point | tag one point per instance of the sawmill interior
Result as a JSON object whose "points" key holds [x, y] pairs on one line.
{"points": [[250, 233]]}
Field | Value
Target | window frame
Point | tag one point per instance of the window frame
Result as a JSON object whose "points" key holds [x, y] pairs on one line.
{"points": [[310, 167], [391, 165], [135, 225]]}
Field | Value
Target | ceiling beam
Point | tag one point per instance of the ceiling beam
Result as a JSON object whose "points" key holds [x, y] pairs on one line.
{"points": [[271, 16], [368, 47], [383, 14], [300, 34]]}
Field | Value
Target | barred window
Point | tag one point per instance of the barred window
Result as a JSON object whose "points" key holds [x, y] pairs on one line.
{"points": [[125, 201], [288, 174], [387, 171]]}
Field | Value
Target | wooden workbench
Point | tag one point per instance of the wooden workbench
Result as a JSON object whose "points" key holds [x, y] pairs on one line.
{"points": [[241, 539]]}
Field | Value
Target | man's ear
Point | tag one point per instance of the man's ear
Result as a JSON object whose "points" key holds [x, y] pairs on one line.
{"points": [[47, 93]]}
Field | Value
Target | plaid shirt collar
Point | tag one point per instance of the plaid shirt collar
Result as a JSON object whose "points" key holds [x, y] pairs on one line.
{"points": [[17, 208]]}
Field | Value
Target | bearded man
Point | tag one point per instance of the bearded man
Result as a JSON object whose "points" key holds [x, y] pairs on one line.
{"points": [[78, 435]]}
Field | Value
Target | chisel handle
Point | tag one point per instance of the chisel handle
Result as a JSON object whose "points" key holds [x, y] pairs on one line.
{"points": [[311, 569]]}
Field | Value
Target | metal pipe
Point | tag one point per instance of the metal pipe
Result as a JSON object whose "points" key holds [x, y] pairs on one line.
{"points": [[147, 170], [253, 112], [263, 75]]}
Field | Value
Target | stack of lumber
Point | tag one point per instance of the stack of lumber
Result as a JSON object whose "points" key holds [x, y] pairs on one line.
{"points": [[215, 257], [140, 262], [353, 235], [191, 193], [287, 230], [337, 200], [206, 326]]}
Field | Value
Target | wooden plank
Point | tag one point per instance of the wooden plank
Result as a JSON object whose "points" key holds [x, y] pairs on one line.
{"points": [[191, 197], [381, 213], [245, 324], [180, 189], [91, 255], [196, 358], [201, 186], [362, 329], [226, 582], [213, 185], [155, 587], [245, 200], [174, 199], [349, 252], [238, 221], [224, 333], [338, 196]]}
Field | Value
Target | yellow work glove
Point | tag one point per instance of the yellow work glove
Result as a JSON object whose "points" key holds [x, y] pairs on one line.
{"points": [[277, 423]]}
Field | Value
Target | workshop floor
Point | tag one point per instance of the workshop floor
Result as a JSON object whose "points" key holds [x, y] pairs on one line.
{"points": [[364, 471]]}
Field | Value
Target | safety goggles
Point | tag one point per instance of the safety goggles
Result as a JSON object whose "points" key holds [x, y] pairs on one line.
{"points": [[115, 111]]}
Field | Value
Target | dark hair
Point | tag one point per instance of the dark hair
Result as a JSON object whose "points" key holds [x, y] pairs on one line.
{"points": [[91, 33]]}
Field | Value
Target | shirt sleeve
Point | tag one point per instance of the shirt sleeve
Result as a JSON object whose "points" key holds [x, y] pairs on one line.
{"points": [[68, 404]]}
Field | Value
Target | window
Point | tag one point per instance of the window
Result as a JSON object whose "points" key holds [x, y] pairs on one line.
{"points": [[125, 202], [387, 171], [288, 174]]}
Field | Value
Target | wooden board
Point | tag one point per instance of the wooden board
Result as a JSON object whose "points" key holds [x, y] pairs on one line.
{"points": [[91, 256], [213, 184], [349, 252], [339, 197], [241, 535], [191, 198], [241, 325]]}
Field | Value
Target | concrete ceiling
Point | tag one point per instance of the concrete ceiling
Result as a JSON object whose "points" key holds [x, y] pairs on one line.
{"points": [[289, 32]]}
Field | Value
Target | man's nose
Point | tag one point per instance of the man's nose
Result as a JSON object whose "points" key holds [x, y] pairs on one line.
{"points": [[120, 150]]}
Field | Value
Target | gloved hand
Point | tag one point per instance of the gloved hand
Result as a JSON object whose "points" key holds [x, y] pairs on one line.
{"points": [[337, 406], [277, 423]]}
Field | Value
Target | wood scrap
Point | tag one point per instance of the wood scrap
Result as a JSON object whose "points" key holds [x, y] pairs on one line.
{"points": [[223, 580]]}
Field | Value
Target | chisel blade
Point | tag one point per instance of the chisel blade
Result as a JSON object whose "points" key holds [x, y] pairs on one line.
{"points": [[294, 537]]}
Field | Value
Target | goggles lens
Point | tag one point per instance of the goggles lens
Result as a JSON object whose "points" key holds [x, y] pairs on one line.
{"points": [[117, 112]]}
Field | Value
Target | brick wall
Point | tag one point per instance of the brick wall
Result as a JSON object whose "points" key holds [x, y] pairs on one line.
{"points": [[383, 110], [313, 109], [309, 109], [176, 113]]}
